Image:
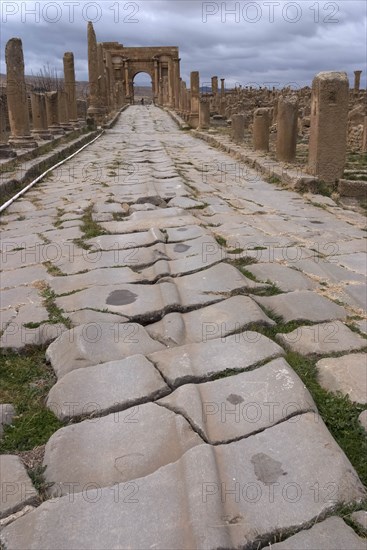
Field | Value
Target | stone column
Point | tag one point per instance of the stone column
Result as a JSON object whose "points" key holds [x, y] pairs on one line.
{"points": [[156, 82], [102, 86], [195, 96], [70, 89], [222, 89], [94, 110], [204, 113], [215, 93], [287, 128], [328, 126], [261, 129], [238, 128], [52, 111], [357, 80], [63, 111], [20, 137], [364, 139], [176, 83], [39, 116], [5, 151]]}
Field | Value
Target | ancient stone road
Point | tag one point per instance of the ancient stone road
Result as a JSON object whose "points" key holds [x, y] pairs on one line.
{"points": [[185, 427]]}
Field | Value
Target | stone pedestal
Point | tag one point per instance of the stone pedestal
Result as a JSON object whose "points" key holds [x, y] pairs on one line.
{"points": [[52, 112], [70, 89], [328, 126], [17, 97], [261, 129], [357, 80], [238, 128], [204, 114], [194, 96], [39, 117], [287, 128], [63, 112]]}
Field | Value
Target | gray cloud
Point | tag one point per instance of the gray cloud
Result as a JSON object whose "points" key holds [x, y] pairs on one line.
{"points": [[263, 41]]}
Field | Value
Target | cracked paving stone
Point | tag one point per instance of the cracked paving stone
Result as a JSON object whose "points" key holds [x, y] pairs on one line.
{"points": [[322, 339], [90, 316], [330, 534], [16, 489], [283, 277], [131, 240], [237, 406], [95, 259], [328, 271], [142, 221], [214, 321], [119, 447], [204, 360], [20, 296], [24, 276], [149, 301], [90, 344], [96, 277], [302, 305], [286, 459], [355, 262], [346, 374], [106, 387], [178, 234]]}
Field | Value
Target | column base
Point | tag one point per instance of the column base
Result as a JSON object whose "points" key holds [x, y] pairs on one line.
{"points": [[22, 142], [194, 120], [56, 131], [42, 134]]}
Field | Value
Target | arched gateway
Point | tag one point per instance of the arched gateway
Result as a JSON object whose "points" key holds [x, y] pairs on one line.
{"points": [[112, 69]]}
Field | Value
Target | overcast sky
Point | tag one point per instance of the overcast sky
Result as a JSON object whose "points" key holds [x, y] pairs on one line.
{"points": [[269, 42]]}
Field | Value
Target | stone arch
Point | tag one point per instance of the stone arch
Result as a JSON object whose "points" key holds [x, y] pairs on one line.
{"points": [[133, 84]]}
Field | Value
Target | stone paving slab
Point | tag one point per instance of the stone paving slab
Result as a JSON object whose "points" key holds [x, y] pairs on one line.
{"points": [[95, 259], [17, 336], [285, 278], [90, 317], [142, 221], [105, 388], [302, 305], [96, 277], [91, 344], [237, 406], [328, 271], [19, 296], [214, 321], [24, 276], [124, 242], [197, 488], [203, 361], [16, 489], [346, 374], [119, 447], [137, 302], [360, 518], [322, 339], [355, 262], [331, 534], [178, 234]]}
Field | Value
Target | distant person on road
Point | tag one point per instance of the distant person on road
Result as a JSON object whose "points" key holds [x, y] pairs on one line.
{"points": [[142, 101]]}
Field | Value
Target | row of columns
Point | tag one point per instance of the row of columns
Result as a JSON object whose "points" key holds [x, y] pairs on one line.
{"points": [[53, 113]]}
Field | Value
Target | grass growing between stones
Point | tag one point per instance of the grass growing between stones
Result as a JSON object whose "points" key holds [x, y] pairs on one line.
{"points": [[25, 381]]}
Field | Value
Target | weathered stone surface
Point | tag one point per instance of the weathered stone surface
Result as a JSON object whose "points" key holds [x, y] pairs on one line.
{"points": [[16, 489], [360, 518], [96, 277], [283, 277], [185, 202], [346, 374], [322, 339], [356, 262], [7, 413], [237, 406], [89, 316], [142, 221], [106, 387], [215, 321], [331, 534], [328, 271], [293, 455], [303, 305], [16, 336], [147, 302], [24, 276], [17, 515], [125, 242], [204, 360], [178, 234], [119, 447]]}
